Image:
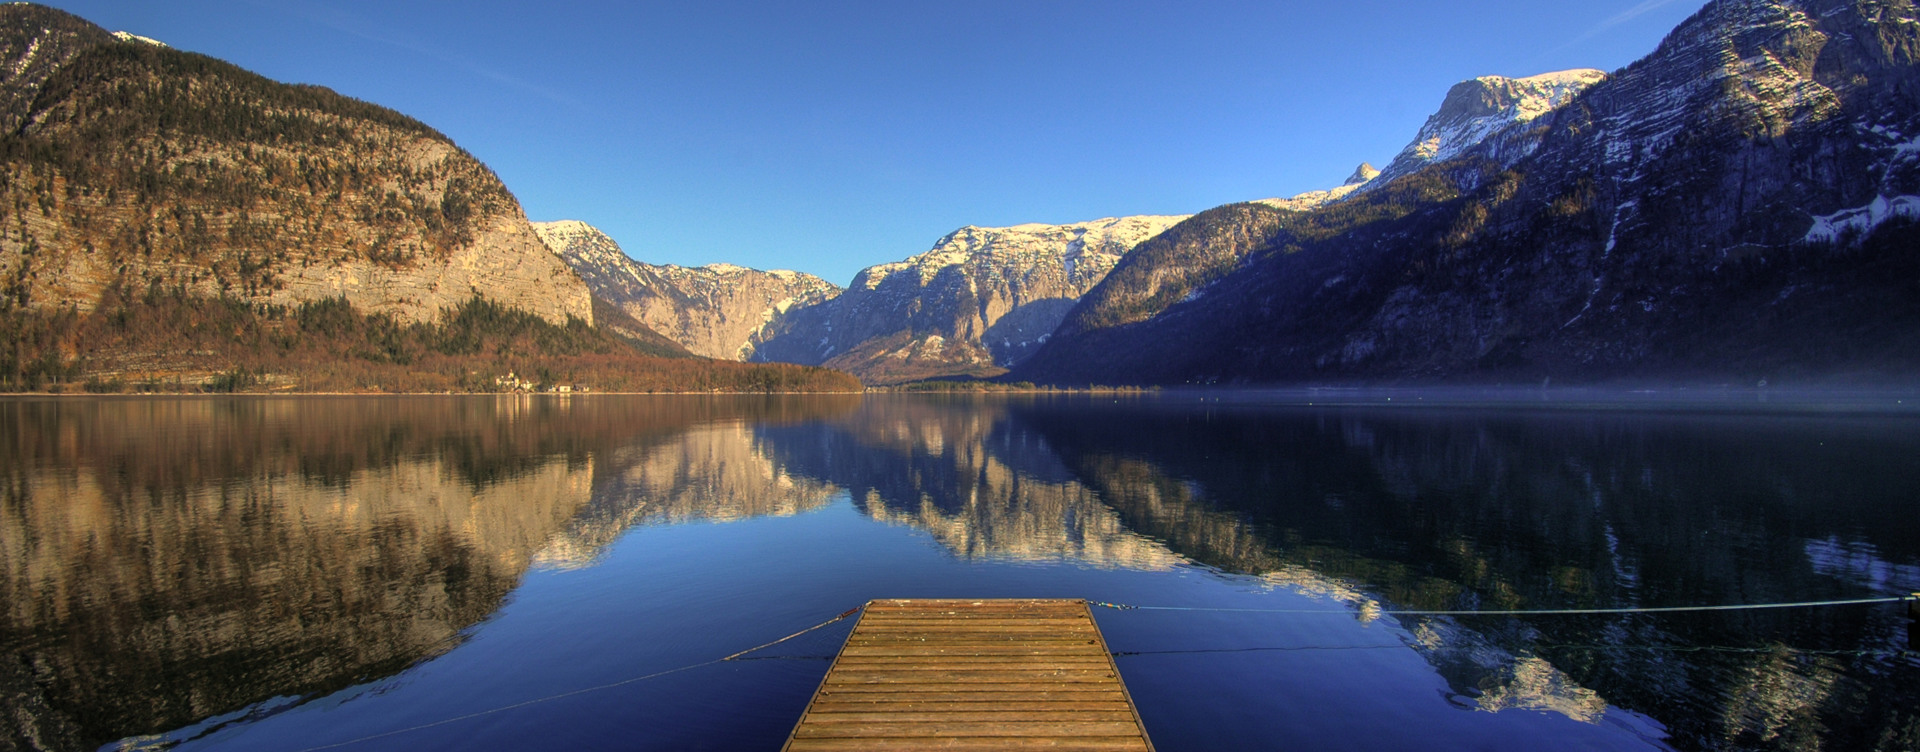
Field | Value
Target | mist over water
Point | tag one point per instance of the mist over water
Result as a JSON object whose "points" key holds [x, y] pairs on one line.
{"points": [[269, 573]]}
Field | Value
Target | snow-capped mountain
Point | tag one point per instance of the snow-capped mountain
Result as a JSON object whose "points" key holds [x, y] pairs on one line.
{"points": [[1490, 114], [1478, 110], [717, 311], [1740, 204], [978, 301], [1315, 199]]}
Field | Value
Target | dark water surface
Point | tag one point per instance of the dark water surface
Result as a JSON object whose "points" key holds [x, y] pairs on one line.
{"points": [[496, 572]]}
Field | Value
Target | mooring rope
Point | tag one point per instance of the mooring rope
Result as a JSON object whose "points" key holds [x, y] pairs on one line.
{"points": [[1764, 649], [576, 692], [1522, 612]]}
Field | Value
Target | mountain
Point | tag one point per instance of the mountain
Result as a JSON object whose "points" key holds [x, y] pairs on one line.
{"points": [[133, 166], [1738, 206], [1315, 199], [173, 222], [1180, 266], [716, 311], [980, 300], [1488, 109]]}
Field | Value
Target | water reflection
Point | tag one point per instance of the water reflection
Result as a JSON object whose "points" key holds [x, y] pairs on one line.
{"points": [[169, 560], [1552, 510], [966, 471], [714, 472]]}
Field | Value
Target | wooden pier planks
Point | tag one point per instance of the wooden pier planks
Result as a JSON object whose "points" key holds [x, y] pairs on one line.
{"points": [[972, 675]]}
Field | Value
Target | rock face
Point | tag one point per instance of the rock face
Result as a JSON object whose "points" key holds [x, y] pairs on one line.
{"points": [[717, 311], [136, 168], [1174, 267], [1737, 206], [982, 299], [1488, 108]]}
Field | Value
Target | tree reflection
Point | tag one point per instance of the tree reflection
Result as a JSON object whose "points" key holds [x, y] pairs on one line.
{"points": [[167, 560]]}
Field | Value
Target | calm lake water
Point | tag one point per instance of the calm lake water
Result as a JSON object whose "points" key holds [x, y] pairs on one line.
{"points": [[416, 573]]}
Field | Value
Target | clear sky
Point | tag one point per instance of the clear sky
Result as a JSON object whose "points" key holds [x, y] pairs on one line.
{"points": [[826, 136]]}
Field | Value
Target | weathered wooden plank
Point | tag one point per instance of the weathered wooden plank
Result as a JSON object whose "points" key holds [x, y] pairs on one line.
{"points": [[981, 635], [969, 662], [977, 744], [995, 714], [971, 610], [972, 674], [1007, 676], [970, 693], [993, 728], [943, 622], [1049, 639], [827, 706], [966, 651]]}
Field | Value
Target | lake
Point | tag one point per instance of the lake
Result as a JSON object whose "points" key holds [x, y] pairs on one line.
{"points": [[525, 572]]}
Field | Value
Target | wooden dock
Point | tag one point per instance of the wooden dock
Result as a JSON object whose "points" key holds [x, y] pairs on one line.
{"points": [[972, 674]]}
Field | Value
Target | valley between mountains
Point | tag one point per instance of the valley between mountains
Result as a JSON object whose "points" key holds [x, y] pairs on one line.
{"points": [[1738, 206]]}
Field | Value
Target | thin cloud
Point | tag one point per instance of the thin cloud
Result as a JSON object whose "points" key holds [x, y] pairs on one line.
{"points": [[1645, 7], [350, 25]]}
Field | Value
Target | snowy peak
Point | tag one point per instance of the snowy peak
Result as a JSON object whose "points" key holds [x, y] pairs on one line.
{"points": [[1315, 199], [1083, 252], [131, 37], [981, 299], [580, 243], [574, 238], [567, 229], [1477, 110]]}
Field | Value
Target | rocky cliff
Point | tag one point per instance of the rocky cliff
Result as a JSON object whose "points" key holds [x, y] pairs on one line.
{"points": [[717, 311], [135, 167], [1733, 207], [1485, 110], [982, 299]]}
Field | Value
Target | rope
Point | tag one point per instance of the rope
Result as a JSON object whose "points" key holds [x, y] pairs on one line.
{"points": [[564, 695], [821, 625], [1852, 652], [1542, 612]]}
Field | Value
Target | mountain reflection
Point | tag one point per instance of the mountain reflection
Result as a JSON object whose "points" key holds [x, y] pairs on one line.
{"points": [[969, 474], [714, 472], [170, 560], [1433, 510]]}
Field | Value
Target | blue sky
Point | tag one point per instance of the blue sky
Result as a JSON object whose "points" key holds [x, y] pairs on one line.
{"points": [[827, 136]]}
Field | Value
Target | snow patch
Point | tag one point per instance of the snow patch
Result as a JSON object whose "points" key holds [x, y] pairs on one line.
{"points": [[27, 59], [130, 37], [1613, 233], [1862, 221]]}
